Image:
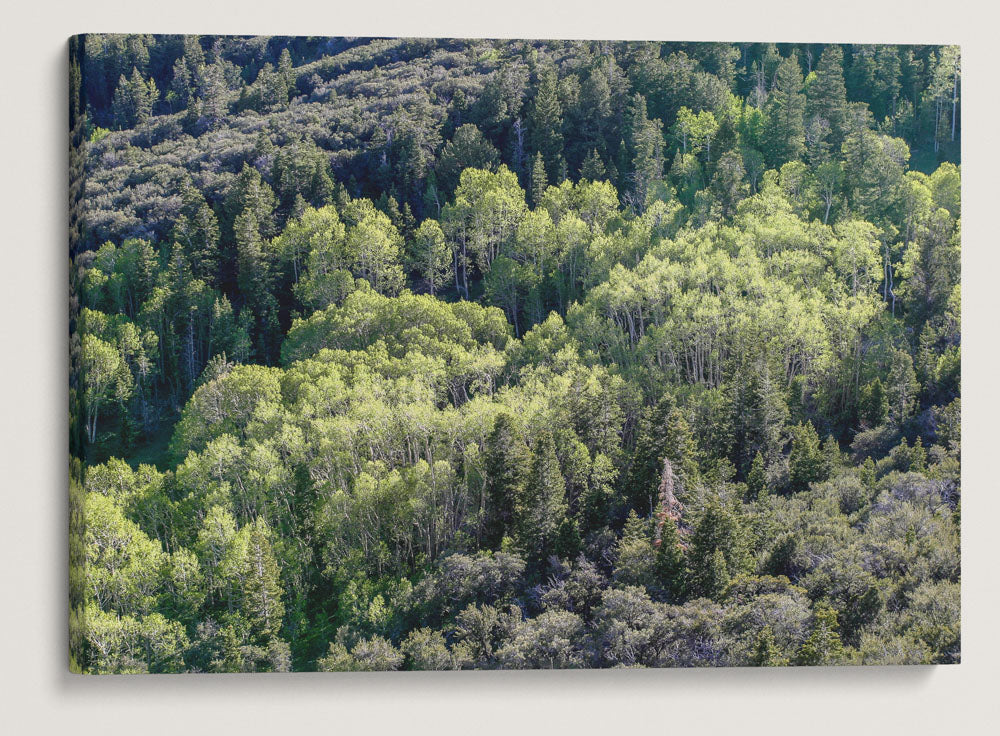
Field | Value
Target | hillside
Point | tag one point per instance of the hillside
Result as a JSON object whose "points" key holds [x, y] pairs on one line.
{"points": [[433, 354]]}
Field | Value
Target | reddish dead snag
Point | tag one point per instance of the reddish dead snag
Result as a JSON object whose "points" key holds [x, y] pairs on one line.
{"points": [[670, 508]]}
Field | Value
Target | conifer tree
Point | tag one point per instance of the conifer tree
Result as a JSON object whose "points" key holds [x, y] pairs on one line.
{"points": [[599, 497], [713, 576], [506, 466], [918, 456], [262, 592], [832, 458], [197, 231], [596, 108], [867, 474], [644, 150], [827, 95], [757, 478], [254, 278], [568, 542], [635, 554], [663, 434], [544, 505], [786, 108], [806, 462], [252, 267], [248, 192], [180, 93], [285, 72], [134, 100], [873, 404], [902, 387], [758, 414], [728, 182], [545, 123], [209, 108], [670, 561], [765, 652], [823, 646], [718, 550], [887, 87], [539, 180], [592, 168]]}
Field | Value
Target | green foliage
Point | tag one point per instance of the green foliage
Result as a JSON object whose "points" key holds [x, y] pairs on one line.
{"points": [[506, 466], [134, 100], [785, 109], [873, 404], [543, 506], [765, 653], [806, 462], [756, 479], [823, 645], [719, 549], [399, 353]]}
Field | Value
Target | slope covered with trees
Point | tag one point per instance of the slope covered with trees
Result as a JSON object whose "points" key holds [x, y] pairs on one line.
{"points": [[428, 354]]}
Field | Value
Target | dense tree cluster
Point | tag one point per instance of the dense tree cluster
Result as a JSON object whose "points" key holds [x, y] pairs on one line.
{"points": [[433, 354]]}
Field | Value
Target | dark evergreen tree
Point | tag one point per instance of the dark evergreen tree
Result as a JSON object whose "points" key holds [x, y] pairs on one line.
{"points": [[786, 109], [592, 168], [644, 151], [719, 550], [670, 561], [757, 478], [806, 462], [506, 467], [663, 434], [823, 645], [543, 508], [827, 95], [873, 404], [545, 123], [539, 180]]}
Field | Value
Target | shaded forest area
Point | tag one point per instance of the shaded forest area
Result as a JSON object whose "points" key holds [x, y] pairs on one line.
{"points": [[442, 354]]}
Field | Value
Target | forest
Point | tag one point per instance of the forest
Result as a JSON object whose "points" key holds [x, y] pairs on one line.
{"points": [[411, 354]]}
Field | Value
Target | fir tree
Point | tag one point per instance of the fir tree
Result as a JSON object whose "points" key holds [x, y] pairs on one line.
{"points": [[598, 499], [827, 95], [785, 108], [718, 550], [262, 593], [758, 414], [134, 99], [902, 387], [663, 434], [806, 462], [197, 231], [670, 561], [539, 180], [644, 150], [592, 168], [568, 543], [545, 123], [873, 404], [544, 505], [867, 475], [823, 646], [757, 479], [506, 466]]}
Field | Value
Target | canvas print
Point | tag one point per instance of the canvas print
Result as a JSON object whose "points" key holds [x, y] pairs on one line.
{"points": [[445, 354]]}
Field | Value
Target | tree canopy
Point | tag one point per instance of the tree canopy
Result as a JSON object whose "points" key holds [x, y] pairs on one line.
{"points": [[444, 354]]}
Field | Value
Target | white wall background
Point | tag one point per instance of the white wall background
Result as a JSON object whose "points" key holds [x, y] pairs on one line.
{"points": [[37, 695]]}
